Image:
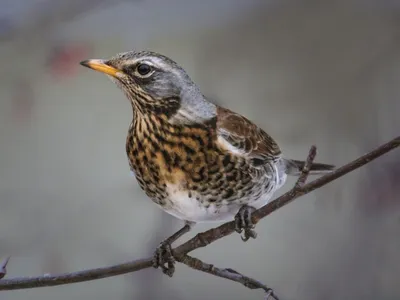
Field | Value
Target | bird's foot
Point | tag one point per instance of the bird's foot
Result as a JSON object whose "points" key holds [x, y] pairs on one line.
{"points": [[243, 223], [163, 256], [164, 259]]}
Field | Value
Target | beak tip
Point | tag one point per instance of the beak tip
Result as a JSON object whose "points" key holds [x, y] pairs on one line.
{"points": [[100, 66], [85, 63]]}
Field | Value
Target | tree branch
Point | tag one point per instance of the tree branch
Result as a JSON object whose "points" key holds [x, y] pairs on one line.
{"points": [[306, 169], [3, 267], [86, 275], [207, 237], [230, 274]]}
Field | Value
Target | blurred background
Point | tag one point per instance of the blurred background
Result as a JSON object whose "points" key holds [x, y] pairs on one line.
{"points": [[308, 72]]}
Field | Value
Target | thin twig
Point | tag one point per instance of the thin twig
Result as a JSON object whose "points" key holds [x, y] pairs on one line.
{"points": [[201, 239], [3, 267], [306, 168], [230, 274]]}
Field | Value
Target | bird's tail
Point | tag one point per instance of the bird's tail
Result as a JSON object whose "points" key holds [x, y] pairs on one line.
{"points": [[294, 167]]}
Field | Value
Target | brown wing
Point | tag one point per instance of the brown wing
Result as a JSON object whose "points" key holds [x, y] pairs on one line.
{"points": [[245, 137]]}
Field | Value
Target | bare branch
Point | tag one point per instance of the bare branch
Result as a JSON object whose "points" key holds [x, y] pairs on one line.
{"points": [[207, 237], [86, 275], [306, 168], [230, 274], [3, 267]]}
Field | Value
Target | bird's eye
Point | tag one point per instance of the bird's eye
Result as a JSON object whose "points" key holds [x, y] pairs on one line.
{"points": [[143, 69]]}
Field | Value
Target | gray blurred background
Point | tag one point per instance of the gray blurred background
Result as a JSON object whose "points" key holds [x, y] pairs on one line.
{"points": [[308, 72]]}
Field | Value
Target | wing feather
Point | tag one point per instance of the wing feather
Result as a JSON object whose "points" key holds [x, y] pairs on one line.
{"points": [[235, 132]]}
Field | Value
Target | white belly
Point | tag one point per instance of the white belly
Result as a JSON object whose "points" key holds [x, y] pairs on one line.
{"points": [[183, 207]]}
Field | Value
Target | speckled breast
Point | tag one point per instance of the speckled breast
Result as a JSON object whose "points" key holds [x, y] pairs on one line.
{"points": [[188, 157]]}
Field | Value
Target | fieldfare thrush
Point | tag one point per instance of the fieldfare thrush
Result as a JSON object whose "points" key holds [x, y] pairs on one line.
{"points": [[196, 160]]}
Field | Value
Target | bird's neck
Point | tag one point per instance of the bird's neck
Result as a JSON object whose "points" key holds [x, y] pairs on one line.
{"points": [[194, 111], [194, 108], [142, 106]]}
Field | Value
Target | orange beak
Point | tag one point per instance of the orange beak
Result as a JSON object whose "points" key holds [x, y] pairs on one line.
{"points": [[100, 66]]}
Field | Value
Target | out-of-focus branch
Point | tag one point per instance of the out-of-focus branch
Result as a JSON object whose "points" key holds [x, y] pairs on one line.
{"points": [[54, 13], [207, 237]]}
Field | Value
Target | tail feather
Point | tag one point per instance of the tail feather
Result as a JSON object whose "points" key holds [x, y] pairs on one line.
{"points": [[294, 167]]}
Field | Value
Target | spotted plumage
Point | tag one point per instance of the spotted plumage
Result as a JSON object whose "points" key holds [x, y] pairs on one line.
{"points": [[192, 163], [196, 160]]}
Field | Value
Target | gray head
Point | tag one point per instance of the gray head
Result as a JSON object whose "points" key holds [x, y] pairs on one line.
{"points": [[154, 83]]}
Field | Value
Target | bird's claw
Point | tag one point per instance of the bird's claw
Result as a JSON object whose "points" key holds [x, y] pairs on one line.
{"points": [[243, 223], [164, 259]]}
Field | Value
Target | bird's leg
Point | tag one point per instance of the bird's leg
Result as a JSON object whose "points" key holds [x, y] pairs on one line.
{"points": [[243, 222], [163, 257]]}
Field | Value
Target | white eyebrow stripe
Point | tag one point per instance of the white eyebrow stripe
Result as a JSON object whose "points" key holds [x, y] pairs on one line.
{"points": [[155, 61]]}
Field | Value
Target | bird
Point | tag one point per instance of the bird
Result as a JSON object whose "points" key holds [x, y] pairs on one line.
{"points": [[196, 160]]}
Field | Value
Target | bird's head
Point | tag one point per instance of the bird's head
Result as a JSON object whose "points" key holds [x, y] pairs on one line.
{"points": [[153, 82]]}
